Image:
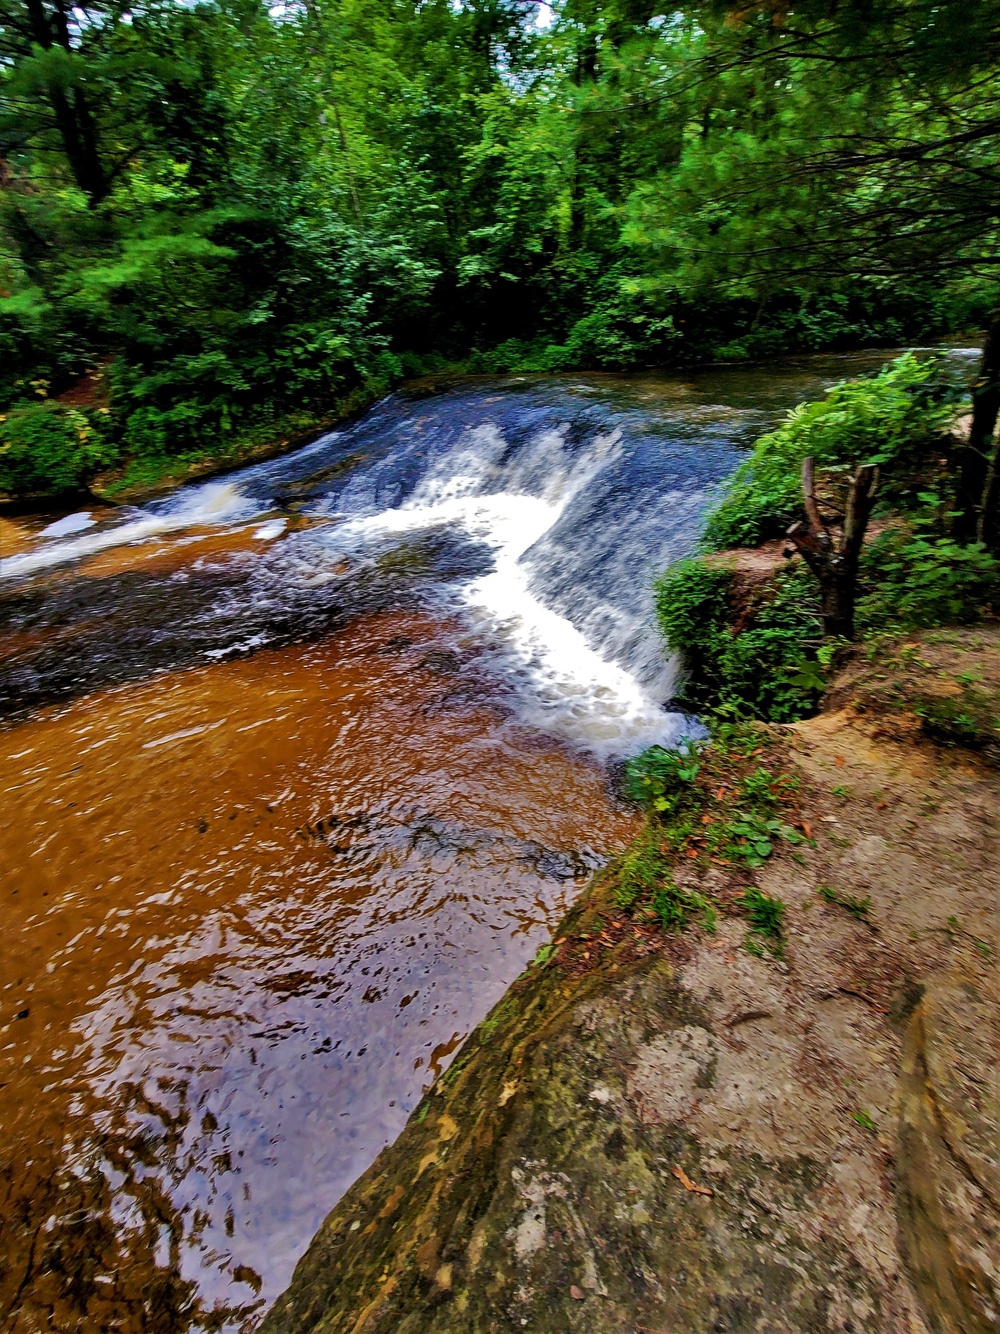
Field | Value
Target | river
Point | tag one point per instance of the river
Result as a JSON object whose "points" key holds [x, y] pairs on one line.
{"points": [[300, 766]]}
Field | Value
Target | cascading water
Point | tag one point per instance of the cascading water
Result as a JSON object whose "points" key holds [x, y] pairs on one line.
{"points": [[537, 518], [300, 767]]}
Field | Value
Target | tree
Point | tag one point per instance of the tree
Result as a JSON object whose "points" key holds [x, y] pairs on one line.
{"points": [[840, 144], [834, 557], [38, 36]]}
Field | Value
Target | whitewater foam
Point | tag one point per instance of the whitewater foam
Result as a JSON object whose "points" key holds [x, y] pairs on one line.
{"points": [[217, 502], [565, 686]]}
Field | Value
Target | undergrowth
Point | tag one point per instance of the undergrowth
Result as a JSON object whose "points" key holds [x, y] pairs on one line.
{"points": [[753, 646], [895, 419], [765, 664], [725, 804]]}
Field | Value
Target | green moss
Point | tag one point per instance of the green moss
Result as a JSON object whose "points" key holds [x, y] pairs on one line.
{"points": [[501, 1014]]}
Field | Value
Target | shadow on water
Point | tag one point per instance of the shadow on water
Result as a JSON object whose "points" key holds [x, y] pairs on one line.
{"points": [[299, 769]]}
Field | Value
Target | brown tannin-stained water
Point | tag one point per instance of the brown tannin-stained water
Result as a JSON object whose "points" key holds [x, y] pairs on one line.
{"points": [[299, 769]]}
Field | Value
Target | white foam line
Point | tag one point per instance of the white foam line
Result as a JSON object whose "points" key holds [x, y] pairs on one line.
{"points": [[573, 692], [217, 503]]}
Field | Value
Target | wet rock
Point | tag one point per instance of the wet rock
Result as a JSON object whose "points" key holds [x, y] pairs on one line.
{"points": [[578, 1168]]}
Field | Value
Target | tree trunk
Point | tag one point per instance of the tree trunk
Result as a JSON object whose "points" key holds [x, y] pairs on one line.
{"points": [[989, 520], [975, 491], [834, 561], [355, 201], [73, 117]]}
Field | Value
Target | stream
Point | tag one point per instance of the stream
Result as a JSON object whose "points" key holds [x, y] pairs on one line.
{"points": [[300, 767]]}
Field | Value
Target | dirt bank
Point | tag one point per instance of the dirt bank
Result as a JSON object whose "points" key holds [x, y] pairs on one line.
{"points": [[674, 1132]]}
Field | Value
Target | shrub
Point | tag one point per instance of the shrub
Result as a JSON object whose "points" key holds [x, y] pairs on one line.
{"points": [[50, 448], [918, 582], [894, 419], [757, 671], [658, 777]]}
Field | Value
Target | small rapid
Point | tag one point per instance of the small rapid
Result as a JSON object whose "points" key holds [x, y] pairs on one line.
{"points": [[541, 513]]}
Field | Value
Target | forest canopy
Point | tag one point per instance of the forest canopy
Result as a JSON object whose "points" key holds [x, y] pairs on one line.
{"points": [[222, 222]]}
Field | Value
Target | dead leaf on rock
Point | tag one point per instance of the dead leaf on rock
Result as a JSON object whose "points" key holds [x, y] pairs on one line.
{"points": [[576, 1293], [688, 1184]]}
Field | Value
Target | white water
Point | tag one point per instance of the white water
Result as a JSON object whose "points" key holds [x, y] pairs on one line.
{"points": [[73, 523], [564, 686], [216, 502], [573, 515]]}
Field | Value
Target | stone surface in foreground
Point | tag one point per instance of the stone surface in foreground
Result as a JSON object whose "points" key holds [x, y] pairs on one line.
{"points": [[665, 1133]]}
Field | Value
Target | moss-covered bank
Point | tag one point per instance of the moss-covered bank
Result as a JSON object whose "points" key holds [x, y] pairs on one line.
{"points": [[678, 1131]]}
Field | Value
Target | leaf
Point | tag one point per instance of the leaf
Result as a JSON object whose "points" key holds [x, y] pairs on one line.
{"points": [[688, 1184]]}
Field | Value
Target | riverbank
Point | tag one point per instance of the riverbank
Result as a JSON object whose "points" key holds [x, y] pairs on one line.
{"points": [[730, 1129], [135, 478]]}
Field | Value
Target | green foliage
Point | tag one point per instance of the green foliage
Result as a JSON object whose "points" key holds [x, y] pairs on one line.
{"points": [[706, 805], [749, 837], [894, 419], [543, 955], [969, 719], [858, 908], [209, 198], [916, 582], [45, 447], [766, 914], [757, 671], [818, 149], [645, 877], [659, 777]]}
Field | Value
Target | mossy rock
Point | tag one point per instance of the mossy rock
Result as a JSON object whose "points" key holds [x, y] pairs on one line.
{"points": [[539, 1187]]}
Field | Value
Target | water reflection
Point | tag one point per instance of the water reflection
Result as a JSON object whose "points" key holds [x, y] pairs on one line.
{"points": [[252, 909]]}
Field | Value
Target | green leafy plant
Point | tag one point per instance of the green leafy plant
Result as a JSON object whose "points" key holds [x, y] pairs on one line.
{"points": [[658, 777], [894, 419], [766, 916], [45, 447], [673, 906], [758, 670], [750, 838], [916, 582], [858, 908]]}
